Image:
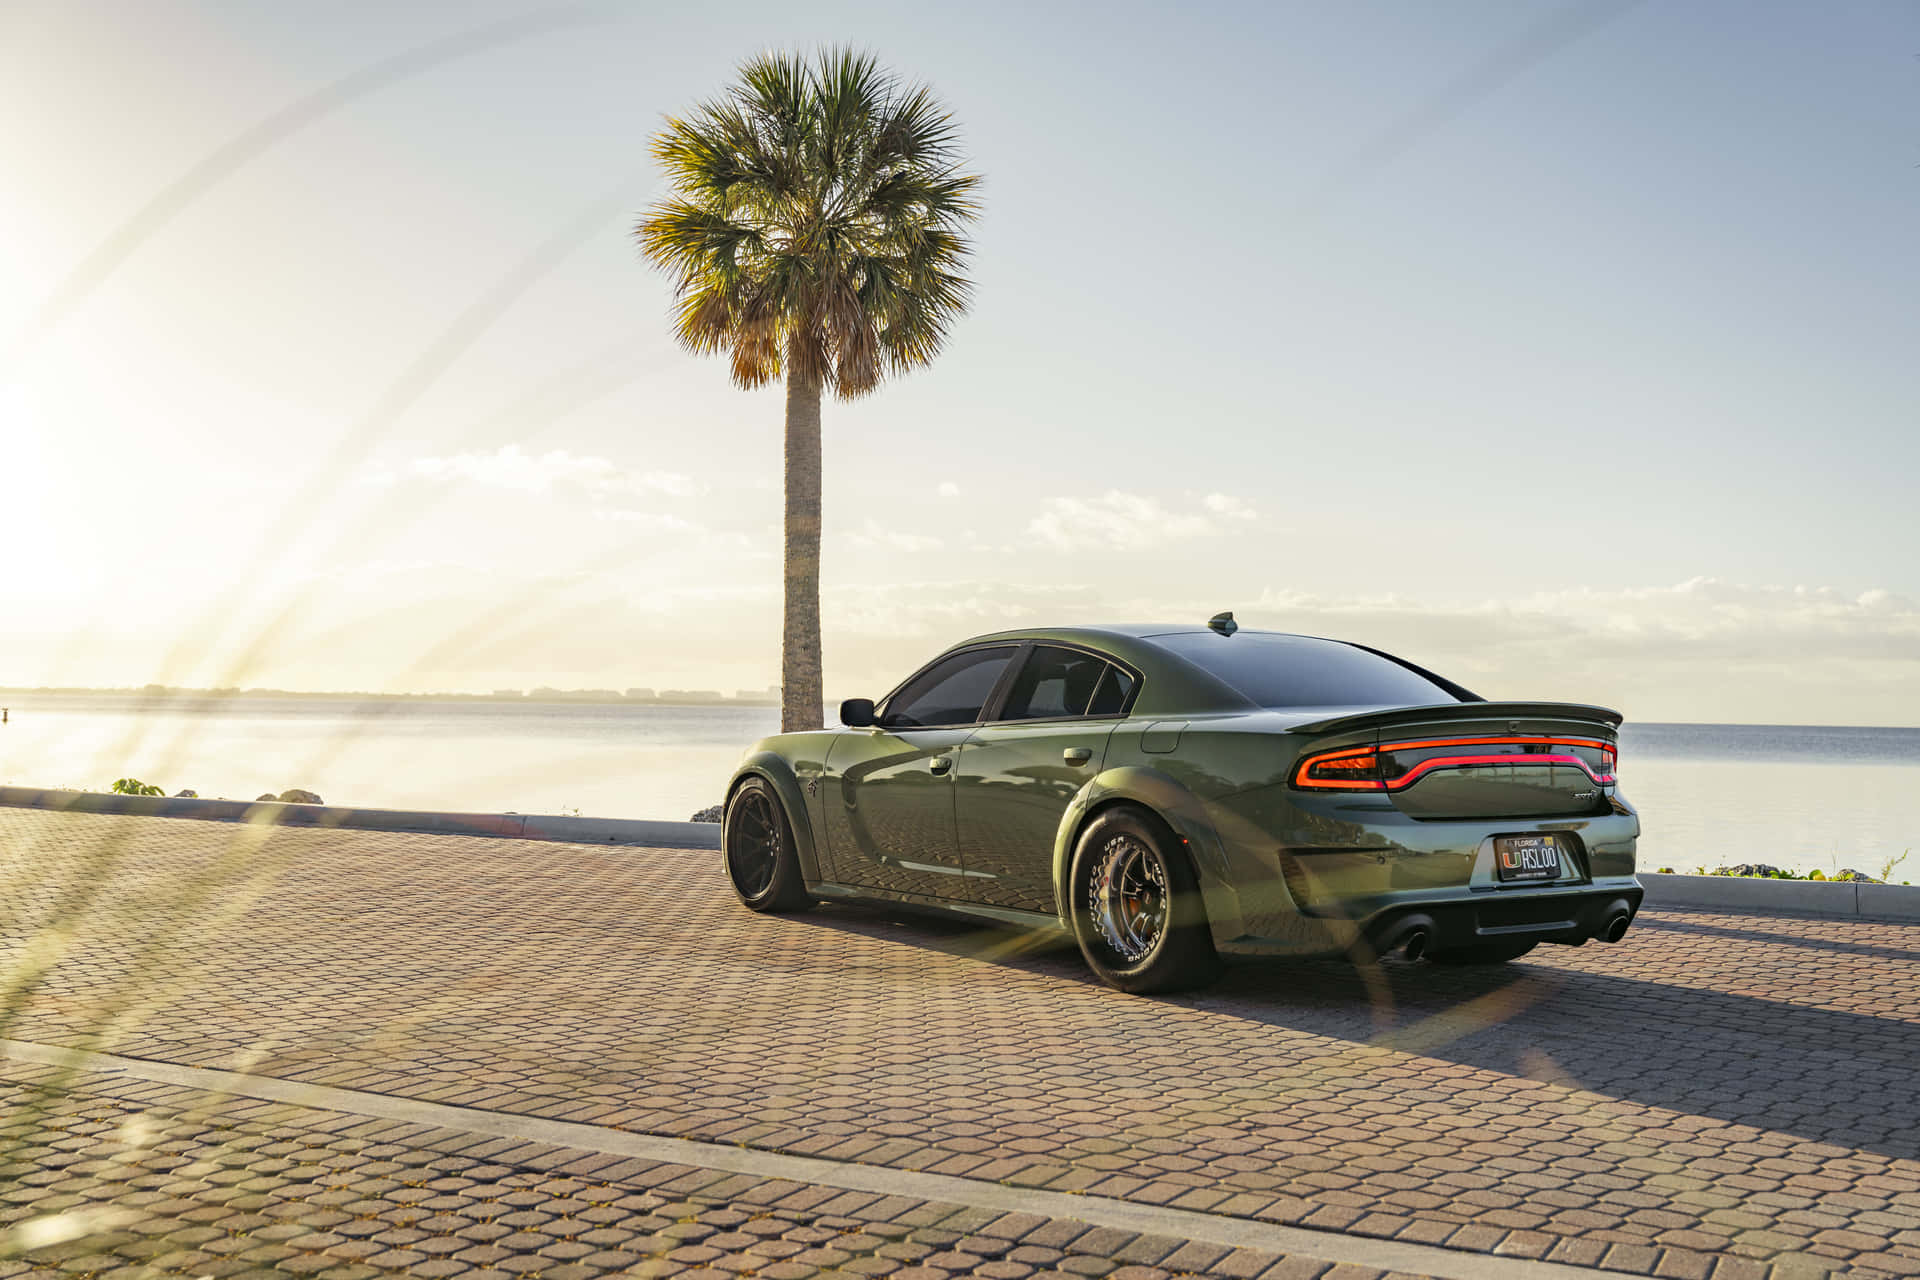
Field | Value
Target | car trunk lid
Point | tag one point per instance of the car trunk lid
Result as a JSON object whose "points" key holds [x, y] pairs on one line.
{"points": [[1470, 759]]}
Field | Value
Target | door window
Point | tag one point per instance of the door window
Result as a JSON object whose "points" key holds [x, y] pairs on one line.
{"points": [[951, 691], [1112, 695], [1054, 683]]}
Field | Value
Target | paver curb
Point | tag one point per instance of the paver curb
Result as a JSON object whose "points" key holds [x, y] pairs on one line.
{"points": [[513, 826], [1225, 1230], [1595, 1105], [1739, 893], [1806, 897]]}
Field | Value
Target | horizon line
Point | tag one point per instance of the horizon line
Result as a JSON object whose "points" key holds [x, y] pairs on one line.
{"points": [[615, 697]]}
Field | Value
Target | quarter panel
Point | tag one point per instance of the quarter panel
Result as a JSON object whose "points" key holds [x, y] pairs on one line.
{"points": [[788, 761], [1180, 809], [1217, 756]]}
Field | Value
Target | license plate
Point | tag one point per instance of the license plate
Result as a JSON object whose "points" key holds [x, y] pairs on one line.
{"points": [[1526, 858]]}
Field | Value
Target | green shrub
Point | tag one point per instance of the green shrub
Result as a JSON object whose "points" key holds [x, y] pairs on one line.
{"points": [[135, 787]]}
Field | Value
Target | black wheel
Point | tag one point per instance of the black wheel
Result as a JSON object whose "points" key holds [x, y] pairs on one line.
{"points": [[758, 843], [1484, 953], [1136, 905]]}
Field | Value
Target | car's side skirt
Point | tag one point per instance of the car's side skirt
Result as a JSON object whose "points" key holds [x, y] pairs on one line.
{"points": [[1008, 916]]}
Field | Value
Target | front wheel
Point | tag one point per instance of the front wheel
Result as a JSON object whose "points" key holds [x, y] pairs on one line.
{"points": [[1485, 953], [1137, 912], [757, 842]]}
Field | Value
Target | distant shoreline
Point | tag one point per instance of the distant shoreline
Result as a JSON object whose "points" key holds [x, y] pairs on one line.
{"points": [[511, 697], [161, 695]]}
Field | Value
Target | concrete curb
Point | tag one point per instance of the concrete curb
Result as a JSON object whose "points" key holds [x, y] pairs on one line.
{"points": [[995, 1199], [1805, 897], [1731, 893], [511, 826]]}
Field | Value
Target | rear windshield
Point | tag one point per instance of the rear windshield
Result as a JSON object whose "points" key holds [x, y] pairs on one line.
{"points": [[1298, 671]]}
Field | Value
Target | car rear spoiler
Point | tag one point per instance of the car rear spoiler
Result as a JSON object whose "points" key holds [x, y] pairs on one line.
{"points": [[1464, 711]]}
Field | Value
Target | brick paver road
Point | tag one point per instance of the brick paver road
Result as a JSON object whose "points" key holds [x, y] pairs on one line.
{"points": [[175, 1183], [1719, 1095]]}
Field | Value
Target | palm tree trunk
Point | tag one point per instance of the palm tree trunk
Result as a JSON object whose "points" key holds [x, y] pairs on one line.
{"points": [[800, 683]]}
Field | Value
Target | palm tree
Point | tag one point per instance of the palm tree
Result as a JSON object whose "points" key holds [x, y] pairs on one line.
{"points": [[815, 233]]}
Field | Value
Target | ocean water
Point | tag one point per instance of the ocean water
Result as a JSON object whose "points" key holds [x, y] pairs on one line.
{"points": [[1805, 797], [524, 757], [1796, 796]]}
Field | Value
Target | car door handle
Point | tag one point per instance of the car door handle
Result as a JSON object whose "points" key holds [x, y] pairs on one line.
{"points": [[940, 764], [1076, 755]]}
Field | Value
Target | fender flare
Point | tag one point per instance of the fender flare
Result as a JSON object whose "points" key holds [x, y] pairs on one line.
{"points": [[777, 771], [1169, 800]]}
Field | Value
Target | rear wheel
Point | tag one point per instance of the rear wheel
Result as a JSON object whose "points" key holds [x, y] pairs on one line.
{"points": [[758, 843], [1137, 912], [1484, 953]]}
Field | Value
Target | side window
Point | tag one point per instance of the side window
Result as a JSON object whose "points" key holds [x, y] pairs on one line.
{"points": [[951, 691], [1110, 698], [1053, 683]]}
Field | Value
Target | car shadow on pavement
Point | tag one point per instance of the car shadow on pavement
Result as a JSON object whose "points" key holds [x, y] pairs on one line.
{"points": [[1054, 953], [1823, 1073]]}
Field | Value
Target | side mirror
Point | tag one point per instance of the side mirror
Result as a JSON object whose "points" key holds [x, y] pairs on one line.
{"points": [[857, 713]]}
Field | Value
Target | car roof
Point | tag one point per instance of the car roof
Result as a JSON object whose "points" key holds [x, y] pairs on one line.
{"points": [[1135, 630], [1175, 682], [1124, 630]]}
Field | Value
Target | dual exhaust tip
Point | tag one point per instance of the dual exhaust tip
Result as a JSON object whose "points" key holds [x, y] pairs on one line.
{"points": [[1614, 926], [1412, 937]]}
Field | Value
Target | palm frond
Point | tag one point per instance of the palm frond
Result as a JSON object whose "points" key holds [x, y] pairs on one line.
{"points": [[690, 241], [704, 323], [817, 226]]}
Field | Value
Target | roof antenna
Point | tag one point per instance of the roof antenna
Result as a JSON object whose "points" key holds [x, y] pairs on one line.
{"points": [[1223, 623]]}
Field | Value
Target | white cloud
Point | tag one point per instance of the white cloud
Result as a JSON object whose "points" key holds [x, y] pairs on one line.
{"points": [[370, 570], [948, 489], [873, 534], [1701, 650], [1700, 616], [1127, 521], [649, 521], [1228, 507], [693, 536], [512, 468], [945, 612], [671, 483]]}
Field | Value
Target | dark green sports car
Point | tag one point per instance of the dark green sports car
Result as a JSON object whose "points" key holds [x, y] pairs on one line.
{"points": [[1170, 794]]}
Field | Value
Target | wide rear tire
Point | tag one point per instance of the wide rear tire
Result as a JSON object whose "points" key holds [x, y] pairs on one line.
{"points": [[757, 842], [1137, 912]]}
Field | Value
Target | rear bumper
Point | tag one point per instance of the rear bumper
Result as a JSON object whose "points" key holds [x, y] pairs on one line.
{"points": [[1595, 914], [1601, 910], [1287, 881]]}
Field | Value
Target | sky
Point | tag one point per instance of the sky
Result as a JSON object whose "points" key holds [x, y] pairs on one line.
{"points": [[1566, 348]]}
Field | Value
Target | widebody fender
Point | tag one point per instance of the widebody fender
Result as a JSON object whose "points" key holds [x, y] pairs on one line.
{"points": [[779, 771], [1181, 810]]}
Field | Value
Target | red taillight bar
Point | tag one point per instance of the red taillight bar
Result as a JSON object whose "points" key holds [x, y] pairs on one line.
{"points": [[1358, 758], [1349, 758], [1503, 738]]}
